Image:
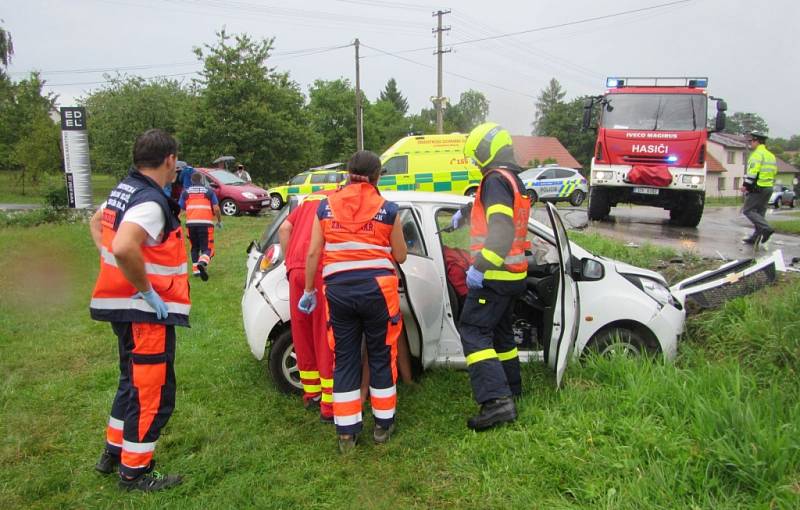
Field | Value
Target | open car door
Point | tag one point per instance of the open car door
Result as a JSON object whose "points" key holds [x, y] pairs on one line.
{"points": [[423, 286], [567, 307]]}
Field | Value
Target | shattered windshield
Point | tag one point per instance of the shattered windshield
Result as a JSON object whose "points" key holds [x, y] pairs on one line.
{"points": [[655, 112]]}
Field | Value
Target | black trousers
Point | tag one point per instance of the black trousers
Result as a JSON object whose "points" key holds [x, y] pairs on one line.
{"points": [[755, 207], [488, 342], [199, 236]]}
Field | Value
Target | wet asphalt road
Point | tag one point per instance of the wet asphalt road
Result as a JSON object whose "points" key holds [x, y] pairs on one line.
{"points": [[718, 235]]}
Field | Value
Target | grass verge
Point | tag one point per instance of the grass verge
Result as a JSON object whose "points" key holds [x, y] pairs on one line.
{"points": [[719, 428], [786, 226], [11, 187]]}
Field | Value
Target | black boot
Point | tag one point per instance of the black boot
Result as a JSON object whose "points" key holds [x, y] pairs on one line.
{"points": [[766, 234], [493, 412], [201, 266], [108, 463], [150, 482]]}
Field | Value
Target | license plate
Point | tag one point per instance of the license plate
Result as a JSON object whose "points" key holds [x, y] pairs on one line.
{"points": [[265, 202], [646, 191]]}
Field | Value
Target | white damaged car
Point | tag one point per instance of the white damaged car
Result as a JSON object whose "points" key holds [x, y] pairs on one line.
{"points": [[575, 301]]}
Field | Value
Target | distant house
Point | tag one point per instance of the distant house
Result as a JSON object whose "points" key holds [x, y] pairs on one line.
{"points": [[730, 152], [529, 149], [787, 174]]}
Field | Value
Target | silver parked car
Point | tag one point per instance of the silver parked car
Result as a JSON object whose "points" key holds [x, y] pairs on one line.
{"points": [[555, 184]]}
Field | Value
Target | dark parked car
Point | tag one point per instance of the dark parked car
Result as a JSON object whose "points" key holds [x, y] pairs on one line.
{"points": [[235, 195]]}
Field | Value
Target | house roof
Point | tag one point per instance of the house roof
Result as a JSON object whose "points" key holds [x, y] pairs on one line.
{"points": [[713, 164], [730, 141], [786, 168], [529, 148]]}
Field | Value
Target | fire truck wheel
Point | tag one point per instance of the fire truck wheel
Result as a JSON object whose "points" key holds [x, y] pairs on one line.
{"points": [[599, 208], [688, 212]]}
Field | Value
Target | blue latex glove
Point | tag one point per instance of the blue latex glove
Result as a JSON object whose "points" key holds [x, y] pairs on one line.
{"points": [[474, 278], [155, 301], [219, 224], [308, 302], [455, 221]]}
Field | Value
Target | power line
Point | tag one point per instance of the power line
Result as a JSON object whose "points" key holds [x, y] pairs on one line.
{"points": [[552, 27], [390, 5]]}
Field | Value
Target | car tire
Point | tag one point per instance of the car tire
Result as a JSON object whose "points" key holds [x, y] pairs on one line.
{"points": [[471, 192], [283, 364], [577, 198], [688, 211], [599, 207], [616, 341], [777, 204], [275, 202], [229, 207]]}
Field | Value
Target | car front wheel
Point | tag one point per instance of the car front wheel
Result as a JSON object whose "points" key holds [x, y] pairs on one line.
{"points": [[275, 202], [229, 207], [577, 198], [620, 341], [283, 364]]}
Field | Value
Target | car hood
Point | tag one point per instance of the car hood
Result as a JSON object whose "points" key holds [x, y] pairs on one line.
{"points": [[622, 267], [252, 188]]}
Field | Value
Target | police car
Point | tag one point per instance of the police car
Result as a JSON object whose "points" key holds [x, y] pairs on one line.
{"points": [[554, 184], [324, 177]]}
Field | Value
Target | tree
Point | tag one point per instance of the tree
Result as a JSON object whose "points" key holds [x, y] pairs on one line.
{"points": [[38, 151], [124, 109], [6, 48], [742, 123], [246, 109], [333, 118], [383, 125], [564, 122], [392, 94], [549, 98], [471, 110], [21, 104]]}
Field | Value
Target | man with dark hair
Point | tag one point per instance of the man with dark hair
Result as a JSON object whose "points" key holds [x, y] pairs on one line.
{"points": [[201, 206], [762, 166], [143, 290]]}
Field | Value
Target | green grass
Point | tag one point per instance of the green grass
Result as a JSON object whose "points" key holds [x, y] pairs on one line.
{"points": [[720, 428], [11, 187], [786, 226], [712, 201]]}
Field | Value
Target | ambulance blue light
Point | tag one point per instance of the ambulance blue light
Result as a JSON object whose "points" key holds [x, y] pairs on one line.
{"points": [[672, 159], [614, 83]]}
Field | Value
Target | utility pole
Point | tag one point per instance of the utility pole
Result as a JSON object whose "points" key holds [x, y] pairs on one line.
{"points": [[439, 100], [359, 118]]}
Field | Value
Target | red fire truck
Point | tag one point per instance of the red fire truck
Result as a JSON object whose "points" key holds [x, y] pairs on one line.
{"points": [[651, 146]]}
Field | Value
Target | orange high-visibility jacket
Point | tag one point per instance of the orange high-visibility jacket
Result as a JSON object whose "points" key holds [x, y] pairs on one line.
{"points": [[165, 262], [198, 202]]}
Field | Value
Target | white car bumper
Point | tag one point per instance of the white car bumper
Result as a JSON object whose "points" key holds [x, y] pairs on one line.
{"points": [[259, 319], [667, 325]]}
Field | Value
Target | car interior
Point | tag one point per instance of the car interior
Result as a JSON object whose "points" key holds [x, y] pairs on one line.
{"points": [[533, 313]]}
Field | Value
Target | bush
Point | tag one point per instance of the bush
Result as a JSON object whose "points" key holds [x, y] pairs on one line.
{"points": [[56, 197]]}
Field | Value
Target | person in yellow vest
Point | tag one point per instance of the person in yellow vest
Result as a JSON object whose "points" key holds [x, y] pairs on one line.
{"points": [[762, 166], [201, 206], [143, 291], [496, 278]]}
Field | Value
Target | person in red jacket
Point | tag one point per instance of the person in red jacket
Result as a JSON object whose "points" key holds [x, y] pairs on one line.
{"points": [[201, 206], [143, 290], [360, 238], [309, 331]]}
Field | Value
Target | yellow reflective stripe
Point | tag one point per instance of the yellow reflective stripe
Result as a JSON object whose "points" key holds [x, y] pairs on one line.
{"points": [[312, 388], [508, 355], [309, 374], [326, 383], [327, 398], [499, 209], [481, 356], [492, 257], [506, 276]]}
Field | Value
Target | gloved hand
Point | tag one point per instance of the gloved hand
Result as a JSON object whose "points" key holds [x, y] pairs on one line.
{"points": [[155, 301], [455, 221], [474, 278], [219, 224], [308, 302]]}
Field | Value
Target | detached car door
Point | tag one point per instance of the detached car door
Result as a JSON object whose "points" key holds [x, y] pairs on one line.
{"points": [[567, 307], [423, 285]]}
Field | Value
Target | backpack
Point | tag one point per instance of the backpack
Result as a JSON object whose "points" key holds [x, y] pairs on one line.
{"points": [[456, 262]]}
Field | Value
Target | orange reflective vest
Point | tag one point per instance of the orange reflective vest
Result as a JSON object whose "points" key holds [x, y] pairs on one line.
{"points": [[199, 210], [514, 266], [165, 262], [357, 225]]}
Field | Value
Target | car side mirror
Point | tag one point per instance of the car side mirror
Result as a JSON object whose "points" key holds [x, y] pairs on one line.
{"points": [[213, 185], [591, 270]]}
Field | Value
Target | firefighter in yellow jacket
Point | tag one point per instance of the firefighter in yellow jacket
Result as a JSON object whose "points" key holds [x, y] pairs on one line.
{"points": [[143, 291], [762, 166], [499, 229]]}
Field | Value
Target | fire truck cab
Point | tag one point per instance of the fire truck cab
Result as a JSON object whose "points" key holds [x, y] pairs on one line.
{"points": [[651, 145]]}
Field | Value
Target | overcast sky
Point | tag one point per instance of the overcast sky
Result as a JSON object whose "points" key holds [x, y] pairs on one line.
{"points": [[749, 53]]}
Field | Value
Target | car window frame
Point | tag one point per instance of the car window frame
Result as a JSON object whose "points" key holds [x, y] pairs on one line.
{"points": [[292, 183], [387, 171], [567, 173], [418, 225], [323, 176]]}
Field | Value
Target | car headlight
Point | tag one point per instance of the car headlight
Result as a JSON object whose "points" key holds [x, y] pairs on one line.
{"points": [[267, 262], [602, 175], [248, 195], [652, 288], [692, 179]]}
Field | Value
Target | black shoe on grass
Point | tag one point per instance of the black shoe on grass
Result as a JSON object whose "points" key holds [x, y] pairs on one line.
{"points": [[203, 273], [347, 443], [381, 435], [150, 482], [494, 412], [108, 463]]}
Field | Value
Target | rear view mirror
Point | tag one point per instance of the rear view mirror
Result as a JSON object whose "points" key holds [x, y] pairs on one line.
{"points": [[591, 270], [588, 104]]}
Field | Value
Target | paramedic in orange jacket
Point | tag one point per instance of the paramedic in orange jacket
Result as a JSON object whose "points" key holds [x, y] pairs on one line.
{"points": [[202, 207], [143, 291], [360, 238]]}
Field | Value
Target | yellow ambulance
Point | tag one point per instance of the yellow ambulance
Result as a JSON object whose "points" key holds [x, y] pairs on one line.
{"points": [[429, 163]]}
